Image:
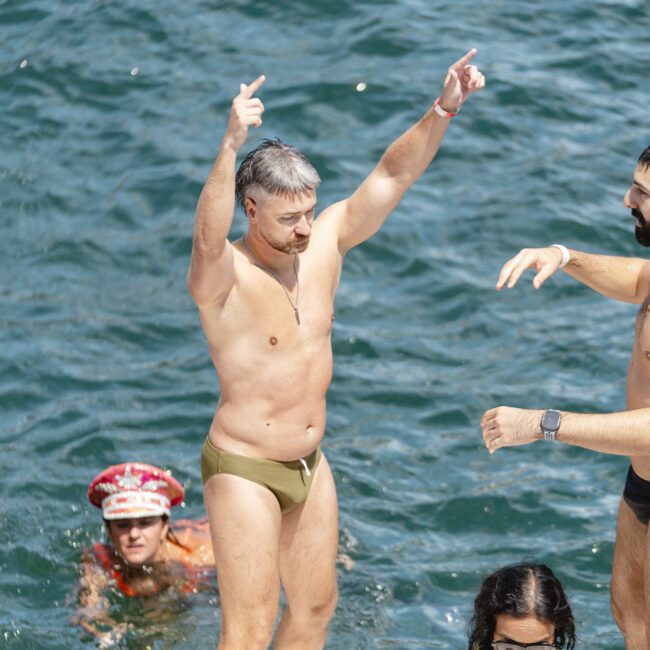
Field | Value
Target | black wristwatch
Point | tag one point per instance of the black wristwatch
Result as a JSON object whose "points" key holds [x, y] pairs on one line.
{"points": [[550, 423]]}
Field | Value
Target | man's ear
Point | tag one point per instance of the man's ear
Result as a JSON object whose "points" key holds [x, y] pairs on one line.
{"points": [[250, 208]]}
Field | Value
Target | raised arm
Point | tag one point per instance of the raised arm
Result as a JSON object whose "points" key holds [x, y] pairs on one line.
{"points": [[623, 278], [361, 215], [211, 274], [626, 433]]}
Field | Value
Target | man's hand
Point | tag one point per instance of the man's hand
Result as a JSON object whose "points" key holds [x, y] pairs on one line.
{"points": [[246, 111], [545, 260], [505, 426], [461, 81]]}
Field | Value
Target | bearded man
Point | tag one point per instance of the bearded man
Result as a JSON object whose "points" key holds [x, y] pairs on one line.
{"points": [[626, 433]]}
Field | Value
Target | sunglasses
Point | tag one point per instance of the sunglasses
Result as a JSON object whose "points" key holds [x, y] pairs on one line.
{"points": [[511, 645]]}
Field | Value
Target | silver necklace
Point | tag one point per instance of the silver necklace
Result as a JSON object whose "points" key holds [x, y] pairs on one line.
{"points": [[286, 293]]}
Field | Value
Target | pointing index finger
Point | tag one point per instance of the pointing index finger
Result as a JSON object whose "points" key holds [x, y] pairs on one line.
{"points": [[464, 60], [251, 89]]}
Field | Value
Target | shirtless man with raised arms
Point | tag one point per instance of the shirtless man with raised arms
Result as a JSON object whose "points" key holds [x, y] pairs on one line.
{"points": [[626, 433], [266, 306]]}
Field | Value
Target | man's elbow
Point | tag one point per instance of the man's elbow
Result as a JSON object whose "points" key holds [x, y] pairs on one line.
{"points": [[642, 283], [194, 288], [189, 284], [399, 177]]}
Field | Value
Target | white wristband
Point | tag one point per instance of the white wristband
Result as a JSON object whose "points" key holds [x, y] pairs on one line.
{"points": [[565, 254], [439, 110]]}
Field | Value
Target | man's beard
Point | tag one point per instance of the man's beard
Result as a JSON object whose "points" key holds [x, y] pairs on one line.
{"points": [[642, 229], [292, 247]]}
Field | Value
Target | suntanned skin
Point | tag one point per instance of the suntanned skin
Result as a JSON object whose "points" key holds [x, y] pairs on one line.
{"points": [[274, 374], [626, 433]]}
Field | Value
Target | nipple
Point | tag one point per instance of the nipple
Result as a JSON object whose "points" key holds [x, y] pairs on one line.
{"points": [[273, 340]]}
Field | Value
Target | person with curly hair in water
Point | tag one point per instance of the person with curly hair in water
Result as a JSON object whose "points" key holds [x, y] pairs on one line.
{"points": [[521, 606]]}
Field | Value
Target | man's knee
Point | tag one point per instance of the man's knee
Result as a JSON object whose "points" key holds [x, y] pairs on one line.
{"points": [[253, 632], [618, 610], [325, 606], [319, 609], [628, 612]]}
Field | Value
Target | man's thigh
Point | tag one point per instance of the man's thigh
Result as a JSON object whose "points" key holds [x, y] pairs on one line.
{"points": [[245, 524], [309, 543], [628, 572]]}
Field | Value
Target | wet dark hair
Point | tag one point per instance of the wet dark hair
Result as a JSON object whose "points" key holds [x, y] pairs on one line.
{"points": [[644, 158], [171, 535], [521, 590], [278, 169]]}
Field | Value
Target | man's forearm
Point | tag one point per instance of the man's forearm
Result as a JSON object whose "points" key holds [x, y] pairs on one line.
{"points": [[211, 273], [620, 278], [407, 158], [216, 205], [626, 433]]}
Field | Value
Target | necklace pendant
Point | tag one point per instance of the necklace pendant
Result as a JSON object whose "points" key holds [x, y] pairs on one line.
{"points": [[295, 311]]}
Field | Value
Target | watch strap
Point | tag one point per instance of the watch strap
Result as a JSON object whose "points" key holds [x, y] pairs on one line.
{"points": [[549, 434]]}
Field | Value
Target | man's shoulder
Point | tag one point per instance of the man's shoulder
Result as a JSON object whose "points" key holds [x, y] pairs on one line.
{"points": [[331, 212], [326, 226]]}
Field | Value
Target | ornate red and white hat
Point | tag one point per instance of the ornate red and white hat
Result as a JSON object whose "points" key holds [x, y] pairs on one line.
{"points": [[134, 490]]}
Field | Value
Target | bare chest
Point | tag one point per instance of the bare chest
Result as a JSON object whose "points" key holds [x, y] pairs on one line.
{"points": [[278, 315], [639, 368], [308, 311]]}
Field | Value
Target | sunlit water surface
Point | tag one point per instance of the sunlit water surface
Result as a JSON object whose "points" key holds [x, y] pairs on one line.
{"points": [[112, 114]]}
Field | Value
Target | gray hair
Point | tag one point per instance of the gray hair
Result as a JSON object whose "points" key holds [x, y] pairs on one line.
{"points": [[278, 169]]}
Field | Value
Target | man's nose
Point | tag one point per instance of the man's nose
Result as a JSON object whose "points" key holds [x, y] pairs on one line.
{"points": [[628, 201], [303, 227]]}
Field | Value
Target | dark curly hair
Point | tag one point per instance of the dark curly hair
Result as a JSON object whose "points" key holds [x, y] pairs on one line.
{"points": [[520, 590], [644, 158]]}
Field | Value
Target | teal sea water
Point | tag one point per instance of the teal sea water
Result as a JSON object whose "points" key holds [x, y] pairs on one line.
{"points": [[111, 116]]}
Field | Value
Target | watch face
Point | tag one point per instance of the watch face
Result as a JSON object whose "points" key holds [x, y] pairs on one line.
{"points": [[551, 420]]}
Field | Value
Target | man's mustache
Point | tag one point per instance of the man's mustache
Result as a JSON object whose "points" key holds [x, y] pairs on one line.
{"points": [[636, 213]]}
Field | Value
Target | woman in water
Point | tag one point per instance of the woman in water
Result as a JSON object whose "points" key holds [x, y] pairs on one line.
{"points": [[522, 606], [144, 554]]}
